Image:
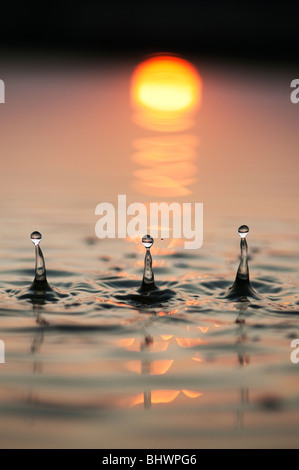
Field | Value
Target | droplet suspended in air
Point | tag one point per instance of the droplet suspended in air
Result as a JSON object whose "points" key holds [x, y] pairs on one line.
{"points": [[36, 237], [243, 231], [147, 241]]}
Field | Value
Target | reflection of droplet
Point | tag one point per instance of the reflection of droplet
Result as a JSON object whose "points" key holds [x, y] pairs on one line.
{"points": [[243, 231], [36, 237], [147, 241]]}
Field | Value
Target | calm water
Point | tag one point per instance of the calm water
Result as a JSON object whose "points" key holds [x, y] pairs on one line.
{"points": [[98, 366]]}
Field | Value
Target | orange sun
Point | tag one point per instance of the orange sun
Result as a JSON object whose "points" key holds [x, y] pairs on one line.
{"points": [[166, 84]]}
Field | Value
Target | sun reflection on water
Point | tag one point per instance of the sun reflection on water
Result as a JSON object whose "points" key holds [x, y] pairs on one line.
{"points": [[165, 94]]}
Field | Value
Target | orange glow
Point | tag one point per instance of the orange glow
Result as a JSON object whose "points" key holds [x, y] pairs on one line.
{"points": [[125, 342], [167, 165], [166, 337], [166, 83], [191, 394], [159, 346], [203, 329], [193, 302], [165, 92], [157, 396], [164, 396], [188, 342], [160, 367], [134, 366], [134, 401], [171, 312], [197, 359]]}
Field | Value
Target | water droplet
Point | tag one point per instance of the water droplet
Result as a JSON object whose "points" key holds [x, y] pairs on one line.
{"points": [[36, 237], [243, 231], [40, 280], [148, 275], [147, 241], [241, 288]]}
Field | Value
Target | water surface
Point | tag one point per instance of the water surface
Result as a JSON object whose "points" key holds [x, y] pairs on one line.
{"points": [[96, 365]]}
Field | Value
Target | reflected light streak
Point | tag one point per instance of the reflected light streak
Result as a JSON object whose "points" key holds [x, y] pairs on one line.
{"points": [[147, 366], [168, 165], [191, 393], [188, 342], [155, 397], [165, 93]]}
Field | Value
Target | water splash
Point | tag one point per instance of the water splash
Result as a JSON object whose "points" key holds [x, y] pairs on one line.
{"points": [[148, 293], [148, 282], [242, 288], [39, 293], [40, 282]]}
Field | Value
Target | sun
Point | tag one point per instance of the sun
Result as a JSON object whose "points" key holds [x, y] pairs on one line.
{"points": [[167, 84]]}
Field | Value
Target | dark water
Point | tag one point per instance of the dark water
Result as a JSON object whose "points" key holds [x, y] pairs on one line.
{"points": [[96, 363]]}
